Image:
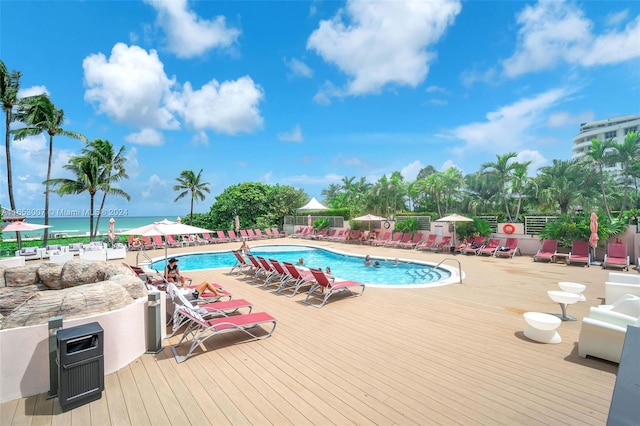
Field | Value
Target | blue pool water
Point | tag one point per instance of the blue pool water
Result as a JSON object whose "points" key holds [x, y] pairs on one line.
{"points": [[342, 266]]}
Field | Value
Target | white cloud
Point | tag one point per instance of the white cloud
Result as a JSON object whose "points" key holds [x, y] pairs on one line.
{"points": [[312, 180], [297, 68], [616, 18], [266, 178], [435, 89], [537, 160], [295, 135], [187, 34], [155, 188], [558, 31], [565, 118], [150, 137], [229, 107], [381, 43], [32, 91], [447, 164], [130, 86], [410, 171], [509, 126]]}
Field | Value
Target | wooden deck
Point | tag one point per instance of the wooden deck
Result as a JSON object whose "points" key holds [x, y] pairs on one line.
{"points": [[446, 355]]}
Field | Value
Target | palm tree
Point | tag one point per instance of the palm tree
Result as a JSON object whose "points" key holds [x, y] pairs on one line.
{"points": [[564, 183], [598, 156], [627, 154], [189, 183], [9, 88], [503, 171], [40, 115], [112, 170], [86, 169]]}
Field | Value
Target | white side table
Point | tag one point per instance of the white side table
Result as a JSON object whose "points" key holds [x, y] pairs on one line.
{"points": [[564, 298], [542, 327], [573, 288]]}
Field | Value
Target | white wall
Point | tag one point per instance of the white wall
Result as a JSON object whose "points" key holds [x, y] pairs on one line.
{"points": [[24, 351]]}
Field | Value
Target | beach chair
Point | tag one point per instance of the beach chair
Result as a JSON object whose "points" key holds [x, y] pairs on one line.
{"points": [[132, 244], [268, 233], [490, 248], [616, 256], [171, 241], [146, 242], [338, 236], [157, 241], [579, 253], [199, 330], [326, 287], [299, 278], [381, 238], [206, 310], [267, 272], [547, 251], [152, 279], [252, 235], [442, 245], [245, 235], [428, 243], [241, 263], [394, 240], [474, 246], [406, 237], [233, 236], [411, 243], [278, 234], [509, 249], [207, 237]]}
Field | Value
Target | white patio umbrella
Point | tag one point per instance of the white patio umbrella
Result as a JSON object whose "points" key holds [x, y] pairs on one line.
{"points": [[454, 218], [165, 227], [22, 226], [370, 218]]}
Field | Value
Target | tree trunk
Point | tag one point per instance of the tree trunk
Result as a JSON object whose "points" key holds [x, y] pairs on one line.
{"points": [[7, 141], [45, 238]]}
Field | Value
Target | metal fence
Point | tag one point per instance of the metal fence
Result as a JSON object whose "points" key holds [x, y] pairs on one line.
{"points": [[534, 224], [303, 220], [424, 221]]}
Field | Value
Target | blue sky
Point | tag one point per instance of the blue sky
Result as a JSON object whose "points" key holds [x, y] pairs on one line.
{"points": [[303, 93]]}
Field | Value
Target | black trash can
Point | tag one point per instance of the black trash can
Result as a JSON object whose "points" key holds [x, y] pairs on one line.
{"points": [[80, 359]]}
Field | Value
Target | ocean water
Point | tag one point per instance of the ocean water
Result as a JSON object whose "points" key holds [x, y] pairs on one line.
{"points": [[73, 226]]}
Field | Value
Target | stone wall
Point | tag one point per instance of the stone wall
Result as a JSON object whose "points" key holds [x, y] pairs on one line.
{"points": [[29, 295]]}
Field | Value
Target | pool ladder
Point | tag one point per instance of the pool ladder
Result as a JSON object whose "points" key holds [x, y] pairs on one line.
{"points": [[457, 261]]}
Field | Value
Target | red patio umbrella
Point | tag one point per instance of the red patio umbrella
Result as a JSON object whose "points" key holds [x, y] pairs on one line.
{"points": [[112, 232]]}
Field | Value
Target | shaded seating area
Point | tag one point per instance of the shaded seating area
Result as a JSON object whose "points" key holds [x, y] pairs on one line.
{"points": [[579, 253], [616, 256], [547, 251], [326, 287]]}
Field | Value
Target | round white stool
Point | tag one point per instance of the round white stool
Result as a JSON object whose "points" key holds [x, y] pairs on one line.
{"points": [[570, 287], [542, 327], [564, 298]]}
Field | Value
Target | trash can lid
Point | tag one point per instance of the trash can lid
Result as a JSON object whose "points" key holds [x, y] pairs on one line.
{"points": [[79, 331]]}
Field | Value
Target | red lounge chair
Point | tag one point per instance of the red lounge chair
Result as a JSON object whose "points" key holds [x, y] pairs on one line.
{"points": [[327, 287], [200, 330], [381, 238], [394, 240], [490, 248], [443, 244], [411, 243], [132, 245], [222, 237], [172, 241], [406, 237], [278, 234], [474, 246], [298, 279], [267, 271], [240, 264], [157, 241], [260, 235], [244, 235], [209, 238], [428, 243], [339, 236], [146, 242], [511, 249], [579, 253], [251, 234], [547, 251], [616, 256], [268, 233]]}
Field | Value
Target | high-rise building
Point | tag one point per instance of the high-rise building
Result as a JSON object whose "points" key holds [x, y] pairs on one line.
{"points": [[612, 129]]}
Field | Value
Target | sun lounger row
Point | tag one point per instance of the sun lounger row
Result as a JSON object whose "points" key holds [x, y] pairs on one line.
{"points": [[289, 279], [158, 241], [209, 315]]}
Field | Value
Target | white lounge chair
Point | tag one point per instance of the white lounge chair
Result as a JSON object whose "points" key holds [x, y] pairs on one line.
{"points": [[603, 331]]}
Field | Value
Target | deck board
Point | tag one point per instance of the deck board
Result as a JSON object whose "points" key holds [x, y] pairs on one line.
{"points": [[454, 354]]}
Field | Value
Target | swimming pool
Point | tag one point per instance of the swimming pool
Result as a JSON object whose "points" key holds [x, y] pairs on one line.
{"points": [[343, 266]]}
